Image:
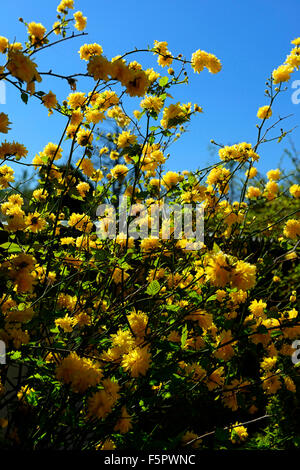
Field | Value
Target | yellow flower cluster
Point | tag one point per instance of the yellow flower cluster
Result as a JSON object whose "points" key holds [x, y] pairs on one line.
{"points": [[164, 56], [36, 33], [222, 270], [265, 112], [20, 66], [239, 152], [81, 373], [201, 59], [135, 81], [238, 434], [292, 62]]}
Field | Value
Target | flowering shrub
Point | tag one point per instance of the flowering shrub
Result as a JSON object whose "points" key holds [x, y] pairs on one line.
{"points": [[142, 343]]}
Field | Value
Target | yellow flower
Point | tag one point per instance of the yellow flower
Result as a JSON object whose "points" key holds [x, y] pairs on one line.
{"points": [[52, 151], [152, 75], [79, 372], [4, 123], [64, 5], [57, 27], [87, 167], [290, 385], [270, 382], [137, 361], [81, 222], [83, 188], [6, 176], [99, 67], [253, 192], [218, 270], [94, 116], [123, 425], [84, 137], [138, 323], [137, 84], [251, 173], [35, 222], [66, 323], [294, 58], [282, 74], [216, 379], [152, 103], [16, 46], [201, 59], [220, 295], [296, 41], [20, 66], [244, 275], [3, 44], [274, 175], [170, 179], [108, 444], [295, 190], [36, 33], [120, 71], [49, 100], [268, 363], [149, 245], [164, 56], [24, 391], [87, 50], [265, 112], [119, 171], [238, 433], [80, 21], [173, 115], [292, 229], [101, 403], [257, 307], [119, 274], [126, 139], [239, 152], [76, 100], [224, 352], [40, 194]]}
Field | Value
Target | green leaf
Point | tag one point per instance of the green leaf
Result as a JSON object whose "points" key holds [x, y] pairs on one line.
{"points": [[24, 97], [216, 248], [163, 81], [153, 288], [212, 297], [275, 333], [135, 159], [184, 335], [54, 330], [14, 355], [11, 247]]}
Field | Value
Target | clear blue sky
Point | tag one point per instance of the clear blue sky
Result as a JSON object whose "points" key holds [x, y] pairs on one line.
{"points": [[250, 37]]}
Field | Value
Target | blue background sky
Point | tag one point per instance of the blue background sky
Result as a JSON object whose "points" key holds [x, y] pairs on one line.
{"points": [[251, 38]]}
